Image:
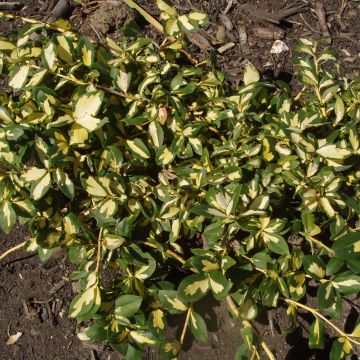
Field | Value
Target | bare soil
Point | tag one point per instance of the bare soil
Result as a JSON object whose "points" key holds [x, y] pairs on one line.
{"points": [[32, 301]]}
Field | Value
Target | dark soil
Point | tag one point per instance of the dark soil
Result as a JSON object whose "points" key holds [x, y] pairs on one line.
{"points": [[29, 303]]}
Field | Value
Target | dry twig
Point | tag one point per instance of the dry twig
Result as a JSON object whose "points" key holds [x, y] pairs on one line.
{"points": [[320, 13]]}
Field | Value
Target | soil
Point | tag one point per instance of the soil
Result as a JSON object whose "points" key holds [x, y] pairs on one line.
{"points": [[35, 296]]}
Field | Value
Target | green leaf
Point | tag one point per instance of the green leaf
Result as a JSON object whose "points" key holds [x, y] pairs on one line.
{"points": [[40, 187], [138, 148], [334, 265], [122, 78], [127, 305], [157, 322], [314, 266], [7, 217], [213, 233], [169, 349], [219, 284], [325, 295], [143, 337], [347, 283], [6, 45], [339, 109], [156, 134], [330, 151], [198, 326], [347, 247], [193, 287], [171, 302], [5, 115], [94, 188], [64, 183], [84, 302], [317, 334], [308, 219], [48, 56], [276, 243], [86, 109], [86, 51], [18, 77], [340, 349]]}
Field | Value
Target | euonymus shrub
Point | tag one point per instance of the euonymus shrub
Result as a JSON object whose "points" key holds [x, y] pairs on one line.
{"points": [[153, 171]]}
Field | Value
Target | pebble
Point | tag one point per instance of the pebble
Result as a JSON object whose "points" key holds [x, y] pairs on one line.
{"points": [[34, 332], [279, 47]]}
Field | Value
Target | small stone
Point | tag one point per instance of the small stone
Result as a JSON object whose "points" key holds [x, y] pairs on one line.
{"points": [[34, 332], [345, 52], [215, 338], [279, 47]]}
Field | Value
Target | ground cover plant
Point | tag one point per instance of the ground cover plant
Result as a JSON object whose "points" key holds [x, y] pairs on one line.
{"points": [[166, 183]]}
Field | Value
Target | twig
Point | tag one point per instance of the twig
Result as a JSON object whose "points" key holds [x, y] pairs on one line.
{"points": [[58, 286], [8, 252], [309, 26], [228, 6], [26, 309], [99, 252], [186, 324], [342, 8], [60, 10], [42, 301], [51, 315], [320, 13], [11, 6]]}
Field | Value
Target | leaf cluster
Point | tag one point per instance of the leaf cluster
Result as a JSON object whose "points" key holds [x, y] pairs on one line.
{"points": [[158, 172]]}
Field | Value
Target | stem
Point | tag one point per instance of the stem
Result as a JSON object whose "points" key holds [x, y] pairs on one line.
{"points": [[146, 15], [248, 324], [322, 106], [319, 243], [297, 97], [322, 317], [8, 252], [79, 82], [186, 324], [31, 21], [168, 252], [99, 252]]}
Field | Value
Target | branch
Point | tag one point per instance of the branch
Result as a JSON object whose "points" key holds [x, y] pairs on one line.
{"points": [[322, 317], [8, 252], [186, 324]]}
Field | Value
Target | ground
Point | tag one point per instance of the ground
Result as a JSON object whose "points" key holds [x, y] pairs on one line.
{"points": [[35, 296]]}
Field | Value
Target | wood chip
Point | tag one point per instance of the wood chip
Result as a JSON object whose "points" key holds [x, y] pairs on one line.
{"points": [[200, 41], [226, 21], [226, 47], [269, 33]]}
